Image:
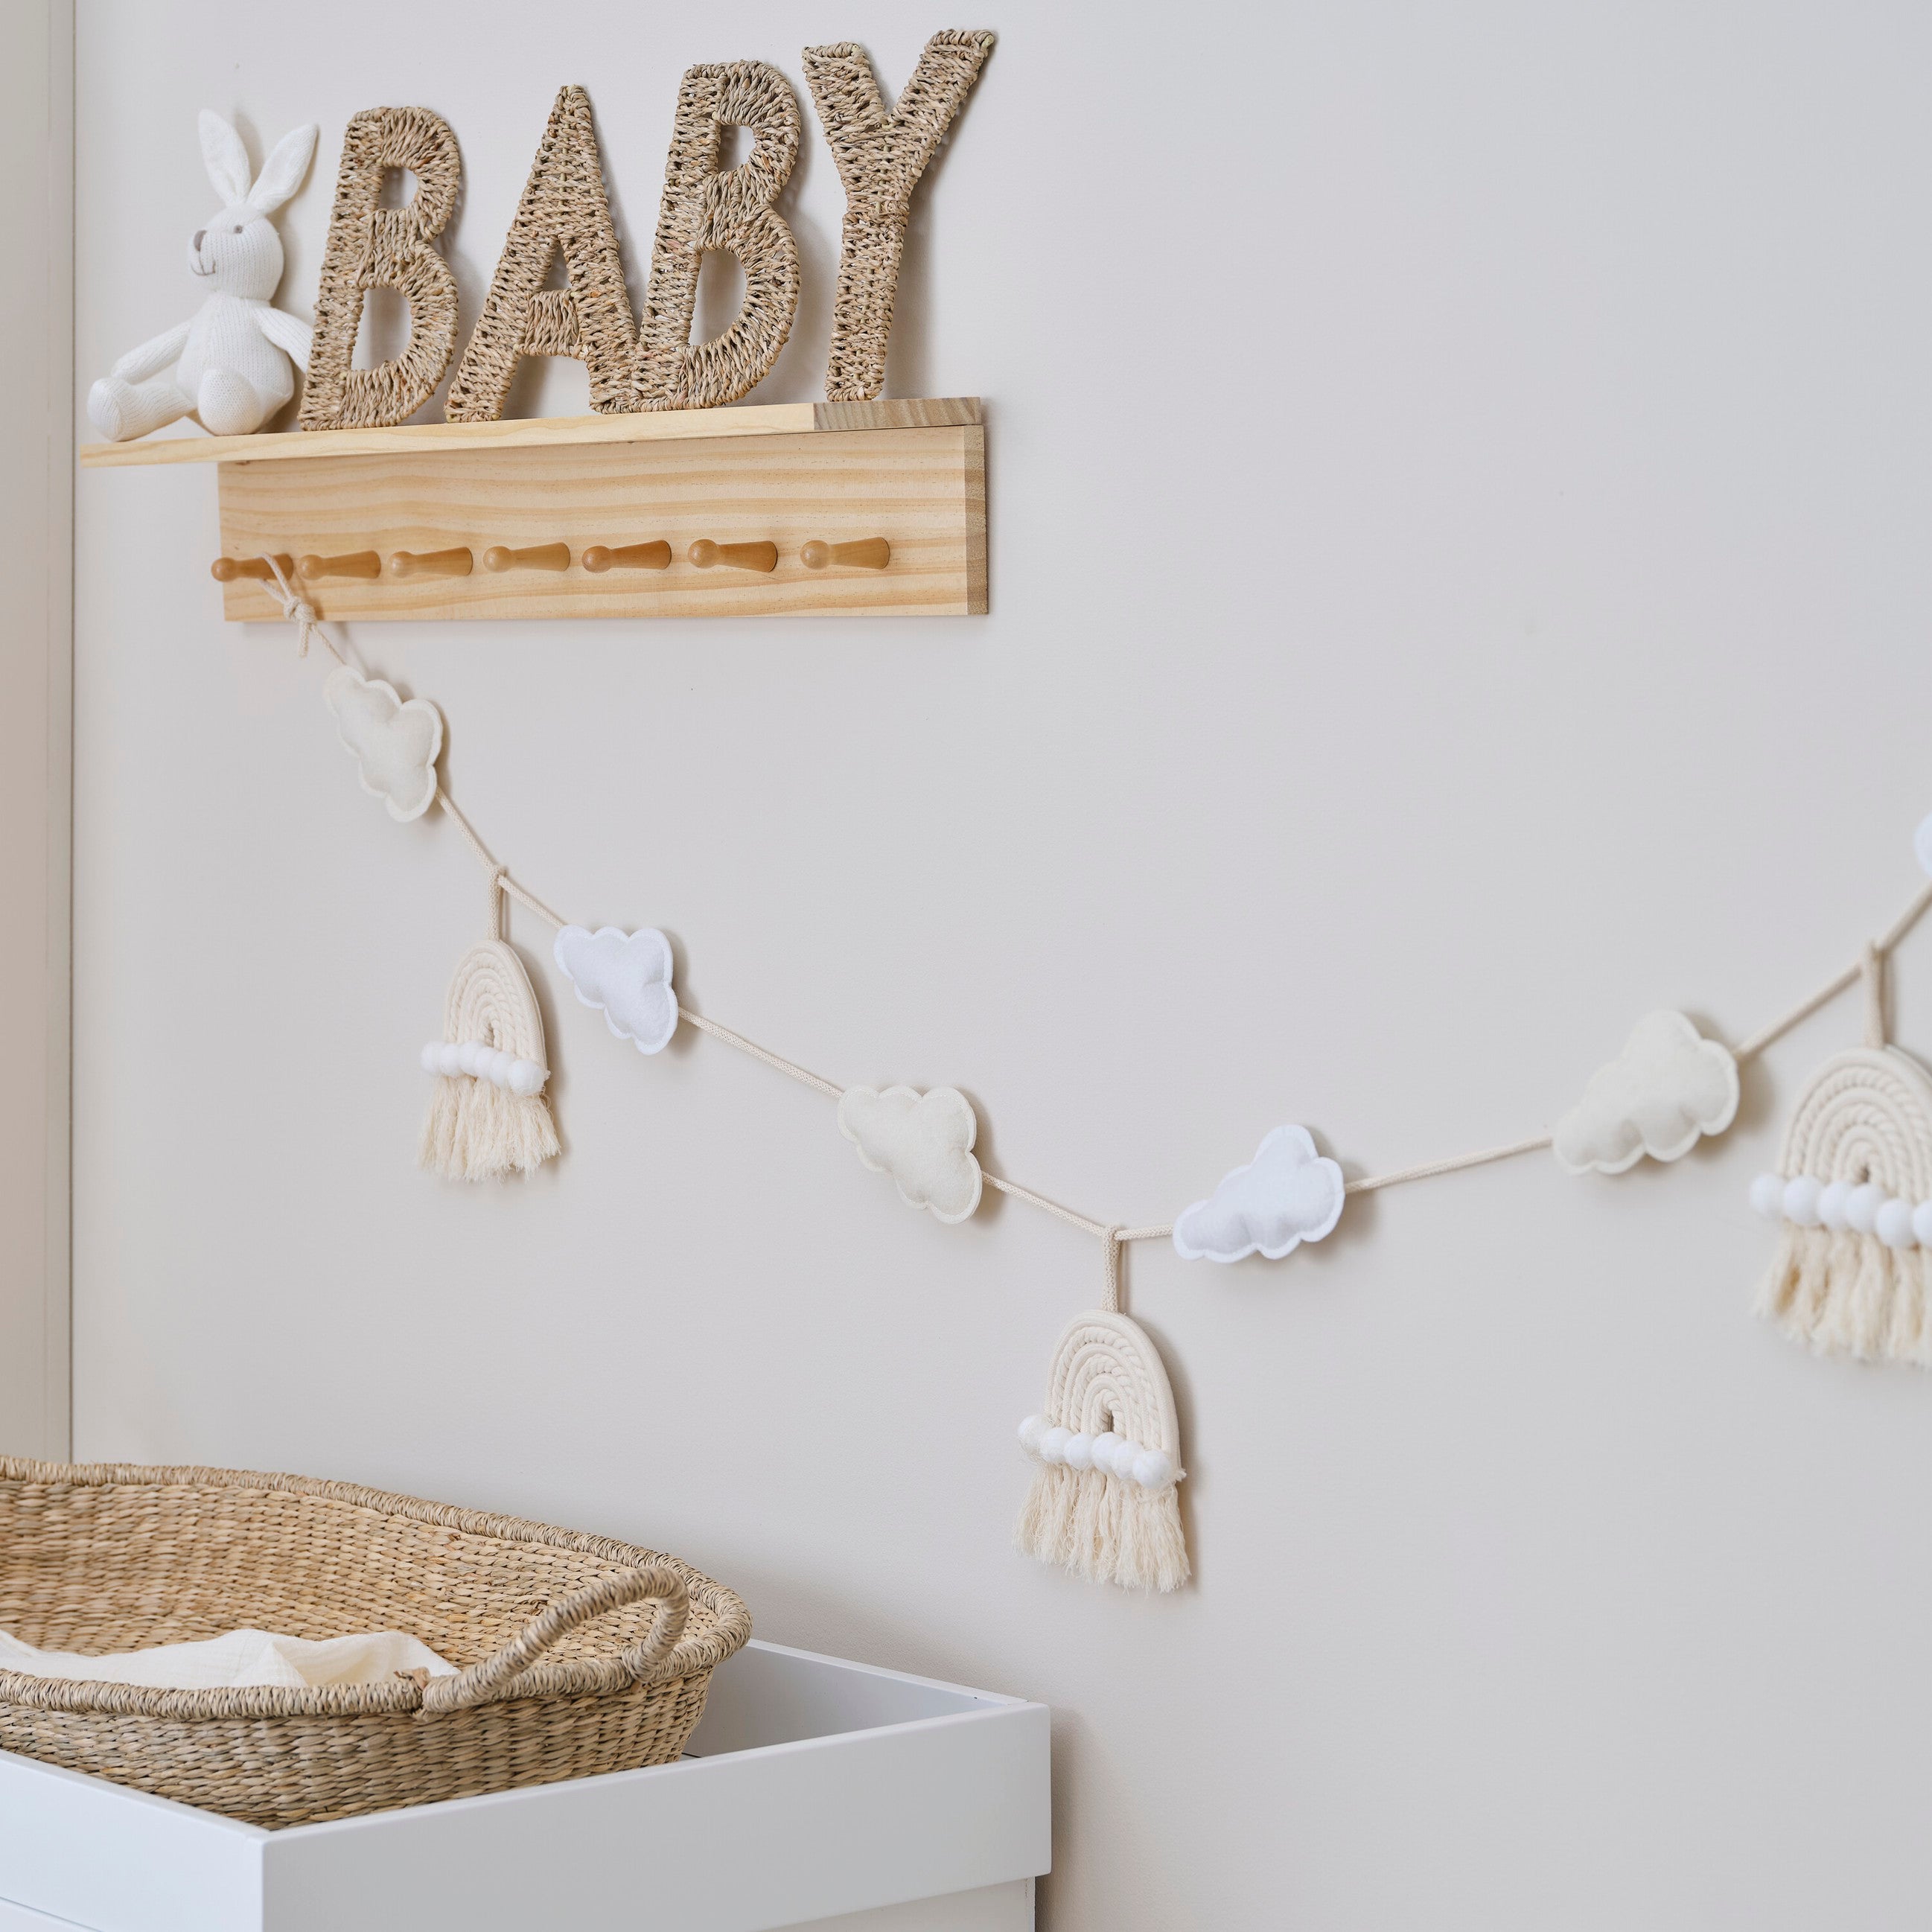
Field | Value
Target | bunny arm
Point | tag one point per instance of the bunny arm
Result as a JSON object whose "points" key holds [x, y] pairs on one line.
{"points": [[289, 334], [152, 358]]}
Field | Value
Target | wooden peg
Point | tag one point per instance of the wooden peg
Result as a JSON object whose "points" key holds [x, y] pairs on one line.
{"points": [[864, 553], [429, 563], [226, 569], [628, 556], [539, 557], [741, 557], [357, 563]]}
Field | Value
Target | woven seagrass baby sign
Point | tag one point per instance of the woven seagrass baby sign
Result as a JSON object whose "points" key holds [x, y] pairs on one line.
{"points": [[636, 362]]}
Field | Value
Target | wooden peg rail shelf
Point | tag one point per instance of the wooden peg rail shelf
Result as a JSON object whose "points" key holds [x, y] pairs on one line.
{"points": [[834, 509]]}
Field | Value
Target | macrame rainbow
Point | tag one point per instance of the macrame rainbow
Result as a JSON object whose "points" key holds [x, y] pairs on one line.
{"points": [[1852, 1274], [1102, 1503], [488, 1116]]}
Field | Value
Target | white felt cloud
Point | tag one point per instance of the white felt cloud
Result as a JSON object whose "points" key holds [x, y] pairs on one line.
{"points": [[396, 743], [1669, 1086], [923, 1141], [626, 976], [1288, 1194]]}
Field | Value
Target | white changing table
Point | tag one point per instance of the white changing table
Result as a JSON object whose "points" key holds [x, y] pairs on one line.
{"points": [[814, 1791]]}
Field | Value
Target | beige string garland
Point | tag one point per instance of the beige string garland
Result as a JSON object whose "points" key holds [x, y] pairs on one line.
{"points": [[1103, 1501], [1113, 1234]]}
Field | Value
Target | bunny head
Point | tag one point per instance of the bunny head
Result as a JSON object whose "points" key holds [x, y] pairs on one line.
{"points": [[239, 252]]}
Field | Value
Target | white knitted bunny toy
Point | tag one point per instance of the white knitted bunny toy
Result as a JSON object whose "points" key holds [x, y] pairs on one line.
{"points": [[233, 358]]}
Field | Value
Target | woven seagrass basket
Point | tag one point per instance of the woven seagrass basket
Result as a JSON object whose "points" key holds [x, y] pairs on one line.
{"points": [[578, 1654]]}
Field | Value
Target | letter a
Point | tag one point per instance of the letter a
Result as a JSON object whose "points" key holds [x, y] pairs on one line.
{"points": [[731, 210], [880, 157], [373, 247], [563, 210]]}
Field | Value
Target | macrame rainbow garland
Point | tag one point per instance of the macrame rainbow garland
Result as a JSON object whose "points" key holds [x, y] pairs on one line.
{"points": [[488, 1117], [1852, 1275], [1103, 1504]]}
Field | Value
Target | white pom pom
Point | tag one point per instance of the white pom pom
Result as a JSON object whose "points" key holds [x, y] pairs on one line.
{"points": [[1153, 1468], [1031, 1430], [468, 1057], [1079, 1451], [1800, 1200], [1921, 1224], [432, 1056], [1861, 1210], [1831, 1202], [1894, 1226], [1106, 1446], [449, 1059], [1767, 1196], [1053, 1444], [526, 1077], [494, 1066]]}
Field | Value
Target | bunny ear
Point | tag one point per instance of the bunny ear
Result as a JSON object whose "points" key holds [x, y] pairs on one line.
{"points": [[283, 171], [227, 159]]}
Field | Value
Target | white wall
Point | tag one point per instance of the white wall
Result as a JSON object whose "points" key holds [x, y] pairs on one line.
{"points": [[1459, 483]]}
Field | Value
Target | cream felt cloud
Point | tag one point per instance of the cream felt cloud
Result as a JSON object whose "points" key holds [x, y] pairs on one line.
{"points": [[626, 976], [1668, 1087], [923, 1141], [396, 742], [1288, 1194]]}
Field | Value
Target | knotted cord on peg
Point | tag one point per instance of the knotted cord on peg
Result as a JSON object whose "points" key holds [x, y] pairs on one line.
{"points": [[301, 613]]}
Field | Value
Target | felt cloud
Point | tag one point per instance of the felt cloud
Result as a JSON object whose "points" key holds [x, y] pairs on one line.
{"points": [[626, 976], [923, 1141], [1667, 1087], [1288, 1194], [396, 743]]}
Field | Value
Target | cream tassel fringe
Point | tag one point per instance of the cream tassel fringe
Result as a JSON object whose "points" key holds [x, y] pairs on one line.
{"points": [[1105, 1529], [1843, 1293], [476, 1131]]}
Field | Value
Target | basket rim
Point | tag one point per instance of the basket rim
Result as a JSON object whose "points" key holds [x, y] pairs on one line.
{"points": [[694, 1654]]}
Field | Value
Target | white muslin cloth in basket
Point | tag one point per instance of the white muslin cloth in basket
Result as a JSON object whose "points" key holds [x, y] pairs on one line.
{"points": [[237, 1657]]}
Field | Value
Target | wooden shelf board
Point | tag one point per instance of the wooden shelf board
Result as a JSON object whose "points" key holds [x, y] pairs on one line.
{"points": [[923, 490], [543, 432]]}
